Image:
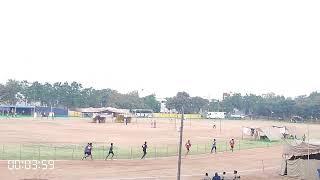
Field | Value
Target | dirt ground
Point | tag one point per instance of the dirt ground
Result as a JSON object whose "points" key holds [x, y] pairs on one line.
{"points": [[247, 162], [260, 163], [80, 131]]}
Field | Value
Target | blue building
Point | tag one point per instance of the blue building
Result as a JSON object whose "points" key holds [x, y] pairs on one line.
{"points": [[29, 110]]}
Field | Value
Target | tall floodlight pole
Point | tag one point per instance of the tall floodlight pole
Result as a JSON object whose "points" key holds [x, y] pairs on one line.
{"points": [[34, 101], [220, 125], [219, 111], [308, 149], [180, 145]]}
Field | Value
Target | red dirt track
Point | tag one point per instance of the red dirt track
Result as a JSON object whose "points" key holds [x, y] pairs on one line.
{"points": [[249, 163]]}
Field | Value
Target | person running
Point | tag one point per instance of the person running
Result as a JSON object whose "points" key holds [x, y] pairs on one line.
{"points": [[231, 144], [110, 151], [144, 149], [188, 146], [214, 146], [87, 151]]}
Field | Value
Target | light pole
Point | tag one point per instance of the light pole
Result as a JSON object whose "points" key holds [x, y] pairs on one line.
{"points": [[219, 111], [308, 163], [180, 145]]}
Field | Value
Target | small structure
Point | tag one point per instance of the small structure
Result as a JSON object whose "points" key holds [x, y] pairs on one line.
{"points": [[296, 119], [237, 114], [216, 115], [272, 133], [99, 119], [122, 118], [31, 111], [143, 113], [101, 114], [301, 160]]}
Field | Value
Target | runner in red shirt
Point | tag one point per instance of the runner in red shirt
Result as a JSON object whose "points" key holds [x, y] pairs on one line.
{"points": [[188, 146], [231, 144]]}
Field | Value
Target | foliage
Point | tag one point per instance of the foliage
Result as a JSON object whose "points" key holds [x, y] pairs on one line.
{"points": [[71, 95]]}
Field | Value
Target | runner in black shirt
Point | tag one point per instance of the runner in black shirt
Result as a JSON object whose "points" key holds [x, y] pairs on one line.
{"points": [[144, 149], [110, 151]]}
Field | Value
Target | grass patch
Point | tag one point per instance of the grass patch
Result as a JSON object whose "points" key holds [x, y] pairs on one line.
{"points": [[75, 152]]}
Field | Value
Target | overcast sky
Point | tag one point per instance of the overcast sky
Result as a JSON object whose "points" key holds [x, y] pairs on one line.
{"points": [[202, 47]]}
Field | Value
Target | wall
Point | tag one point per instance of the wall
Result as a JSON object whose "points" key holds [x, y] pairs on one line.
{"points": [[74, 114], [166, 115]]}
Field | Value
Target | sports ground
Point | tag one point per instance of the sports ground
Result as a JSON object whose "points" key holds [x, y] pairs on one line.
{"points": [[63, 140]]}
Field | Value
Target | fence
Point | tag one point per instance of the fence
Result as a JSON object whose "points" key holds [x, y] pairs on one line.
{"points": [[75, 152]]}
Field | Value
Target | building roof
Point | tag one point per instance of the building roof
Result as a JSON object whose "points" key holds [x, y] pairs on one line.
{"points": [[103, 109]]}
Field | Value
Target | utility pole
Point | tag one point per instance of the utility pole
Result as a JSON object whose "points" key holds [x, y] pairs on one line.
{"points": [[308, 163], [180, 145], [220, 125]]}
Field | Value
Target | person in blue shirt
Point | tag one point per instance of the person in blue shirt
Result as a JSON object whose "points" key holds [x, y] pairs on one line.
{"points": [[216, 177], [87, 151]]}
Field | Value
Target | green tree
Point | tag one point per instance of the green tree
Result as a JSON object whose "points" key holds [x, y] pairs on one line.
{"points": [[182, 99], [10, 93], [152, 103]]}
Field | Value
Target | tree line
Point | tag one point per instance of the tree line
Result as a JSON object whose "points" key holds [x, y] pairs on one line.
{"points": [[74, 95], [268, 105]]}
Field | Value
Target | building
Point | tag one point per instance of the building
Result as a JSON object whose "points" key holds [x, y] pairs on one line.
{"points": [[27, 110], [143, 113], [163, 108]]}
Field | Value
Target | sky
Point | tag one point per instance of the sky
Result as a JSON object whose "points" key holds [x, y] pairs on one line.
{"points": [[203, 47]]}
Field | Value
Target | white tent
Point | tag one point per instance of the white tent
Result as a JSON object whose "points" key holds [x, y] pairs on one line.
{"points": [[296, 163], [273, 133]]}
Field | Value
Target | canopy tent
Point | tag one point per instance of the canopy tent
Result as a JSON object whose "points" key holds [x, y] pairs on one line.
{"points": [[296, 163], [272, 133], [109, 110]]}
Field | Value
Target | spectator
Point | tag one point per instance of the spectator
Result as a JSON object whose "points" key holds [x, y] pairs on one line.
{"points": [[236, 176], [216, 177], [206, 177], [223, 177]]}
